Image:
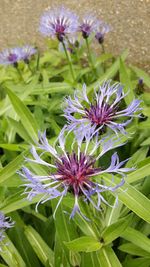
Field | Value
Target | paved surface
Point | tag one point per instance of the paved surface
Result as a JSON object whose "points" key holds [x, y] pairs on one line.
{"points": [[130, 21]]}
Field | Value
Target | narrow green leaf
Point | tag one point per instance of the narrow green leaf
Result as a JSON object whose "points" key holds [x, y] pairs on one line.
{"points": [[138, 156], [10, 254], [113, 214], [12, 167], [140, 173], [133, 199], [141, 74], [11, 147], [52, 88], [20, 129], [109, 72], [66, 231], [25, 115], [146, 142], [90, 260], [17, 201], [84, 243], [84, 225], [139, 262], [126, 82], [137, 238], [133, 249], [108, 258], [114, 230], [65, 227], [44, 253]]}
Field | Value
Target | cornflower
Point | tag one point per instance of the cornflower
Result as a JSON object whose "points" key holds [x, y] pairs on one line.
{"points": [[72, 172], [103, 111], [90, 24], [103, 29], [26, 52], [5, 223], [10, 56], [59, 22]]}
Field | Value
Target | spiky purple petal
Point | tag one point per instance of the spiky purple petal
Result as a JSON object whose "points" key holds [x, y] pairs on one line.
{"points": [[103, 111], [73, 172], [90, 24], [58, 22], [5, 223]]}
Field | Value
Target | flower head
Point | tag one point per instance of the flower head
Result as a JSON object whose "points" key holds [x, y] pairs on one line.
{"points": [[58, 22], [4, 224], [72, 172], [26, 52], [89, 25], [103, 111], [103, 29], [10, 56]]}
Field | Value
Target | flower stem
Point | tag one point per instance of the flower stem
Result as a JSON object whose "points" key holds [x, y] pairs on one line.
{"points": [[38, 60], [103, 48], [103, 51], [90, 57], [19, 72], [69, 61], [30, 68]]}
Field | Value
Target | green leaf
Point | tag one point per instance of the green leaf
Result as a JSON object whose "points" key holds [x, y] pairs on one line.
{"points": [[25, 115], [10, 254], [84, 243], [133, 199], [90, 260], [137, 238], [66, 231], [65, 227], [17, 201], [109, 72], [137, 157], [139, 262], [44, 253], [11, 147], [133, 249], [114, 230], [141, 74], [53, 88], [12, 167], [108, 258], [140, 173], [85, 226], [20, 129], [126, 82], [146, 142]]}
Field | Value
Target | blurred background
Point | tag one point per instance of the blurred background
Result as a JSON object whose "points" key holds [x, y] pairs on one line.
{"points": [[129, 19]]}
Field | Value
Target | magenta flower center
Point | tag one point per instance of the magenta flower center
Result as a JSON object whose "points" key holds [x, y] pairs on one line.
{"points": [[75, 172], [86, 29], [12, 57], [60, 27], [100, 115]]}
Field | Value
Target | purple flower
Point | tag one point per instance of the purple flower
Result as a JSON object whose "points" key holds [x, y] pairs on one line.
{"points": [[89, 25], [72, 172], [5, 223], [103, 29], [58, 22], [103, 111], [26, 52], [10, 56]]}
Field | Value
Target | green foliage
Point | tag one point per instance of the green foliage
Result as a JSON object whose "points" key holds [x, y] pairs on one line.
{"points": [[113, 237]]}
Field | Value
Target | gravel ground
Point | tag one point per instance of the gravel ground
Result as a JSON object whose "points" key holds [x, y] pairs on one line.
{"points": [[129, 19]]}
